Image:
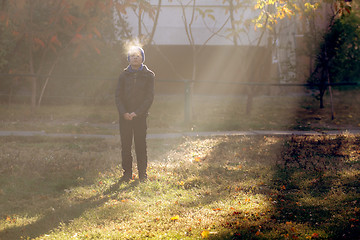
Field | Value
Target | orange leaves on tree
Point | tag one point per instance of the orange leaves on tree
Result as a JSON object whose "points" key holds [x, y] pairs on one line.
{"points": [[39, 42], [104, 6], [80, 27], [217, 209], [76, 39], [3, 17], [89, 4], [121, 8], [78, 36], [69, 19], [96, 31], [97, 50], [55, 40]]}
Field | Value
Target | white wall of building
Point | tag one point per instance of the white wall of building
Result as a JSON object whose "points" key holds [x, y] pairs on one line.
{"points": [[171, 31]]}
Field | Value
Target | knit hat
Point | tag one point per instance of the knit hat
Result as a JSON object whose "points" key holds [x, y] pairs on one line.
{"points": [[136, 48]]}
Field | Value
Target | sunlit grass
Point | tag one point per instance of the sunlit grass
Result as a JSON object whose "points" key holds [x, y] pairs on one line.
{"points": [[218, 188]]}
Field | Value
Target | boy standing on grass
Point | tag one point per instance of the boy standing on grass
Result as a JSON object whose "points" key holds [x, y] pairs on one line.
{"points": [[134, 96]]}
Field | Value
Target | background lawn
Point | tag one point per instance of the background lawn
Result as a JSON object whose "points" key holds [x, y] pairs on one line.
{"points": [[210, 113]]}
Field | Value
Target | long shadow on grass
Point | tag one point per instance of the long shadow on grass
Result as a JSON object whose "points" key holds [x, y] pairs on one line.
{"points": [[316, 177], [37, 172], [314, 192], [51, 220]]}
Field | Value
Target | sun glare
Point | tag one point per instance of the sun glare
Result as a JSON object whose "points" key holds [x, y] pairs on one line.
{"points": [[132, 45]]}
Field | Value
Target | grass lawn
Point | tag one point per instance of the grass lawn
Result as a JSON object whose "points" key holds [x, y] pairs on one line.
{"points": [[258, 187], [210, 113], [244, 187]]}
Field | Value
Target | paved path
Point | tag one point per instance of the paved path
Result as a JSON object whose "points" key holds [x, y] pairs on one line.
{"points": [[184, 134]]}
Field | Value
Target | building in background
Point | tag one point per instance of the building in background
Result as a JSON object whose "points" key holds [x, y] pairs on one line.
{"points": [[253, 56]]}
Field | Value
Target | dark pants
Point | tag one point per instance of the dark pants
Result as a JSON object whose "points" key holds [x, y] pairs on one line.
{"points": [[129, 130]]}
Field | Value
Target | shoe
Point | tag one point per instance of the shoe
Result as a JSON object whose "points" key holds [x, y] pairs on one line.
{"points": [[124, 178], [143, 178]]}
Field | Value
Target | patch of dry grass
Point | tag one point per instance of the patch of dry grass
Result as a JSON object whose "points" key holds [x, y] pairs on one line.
{"points": [[257, 187], [210, 113]]}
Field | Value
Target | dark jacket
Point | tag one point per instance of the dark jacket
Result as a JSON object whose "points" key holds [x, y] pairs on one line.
{"points": [[135, 91]]}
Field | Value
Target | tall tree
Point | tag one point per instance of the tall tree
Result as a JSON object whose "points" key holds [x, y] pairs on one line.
{"points": [[188, 20], [143, 10], [338, 56], [44, 30]]}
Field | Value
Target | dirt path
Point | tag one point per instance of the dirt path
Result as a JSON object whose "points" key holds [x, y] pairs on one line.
{"points": [[184, 134]]}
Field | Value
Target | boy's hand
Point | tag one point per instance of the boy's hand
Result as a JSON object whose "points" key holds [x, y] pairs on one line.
{"points": [[129, 116], [132, 115]]}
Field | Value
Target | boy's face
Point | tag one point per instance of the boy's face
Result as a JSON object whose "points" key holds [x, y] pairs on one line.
{"points": [[135, 58]]}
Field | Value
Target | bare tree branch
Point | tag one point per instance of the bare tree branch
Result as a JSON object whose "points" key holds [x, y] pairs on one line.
{"points": [[213, 33], [151, 36]]}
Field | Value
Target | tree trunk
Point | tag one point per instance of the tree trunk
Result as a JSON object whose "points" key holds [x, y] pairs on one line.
{"points": [[251, 89], [322, 93], [150, 39], [31, 60], [47, 81], [232, 21], [249, 100]]}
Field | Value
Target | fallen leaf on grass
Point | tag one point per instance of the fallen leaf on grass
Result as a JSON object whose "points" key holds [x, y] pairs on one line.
{"points": [[315, 235], [8, 219], [174, 218], [205, 234]]}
